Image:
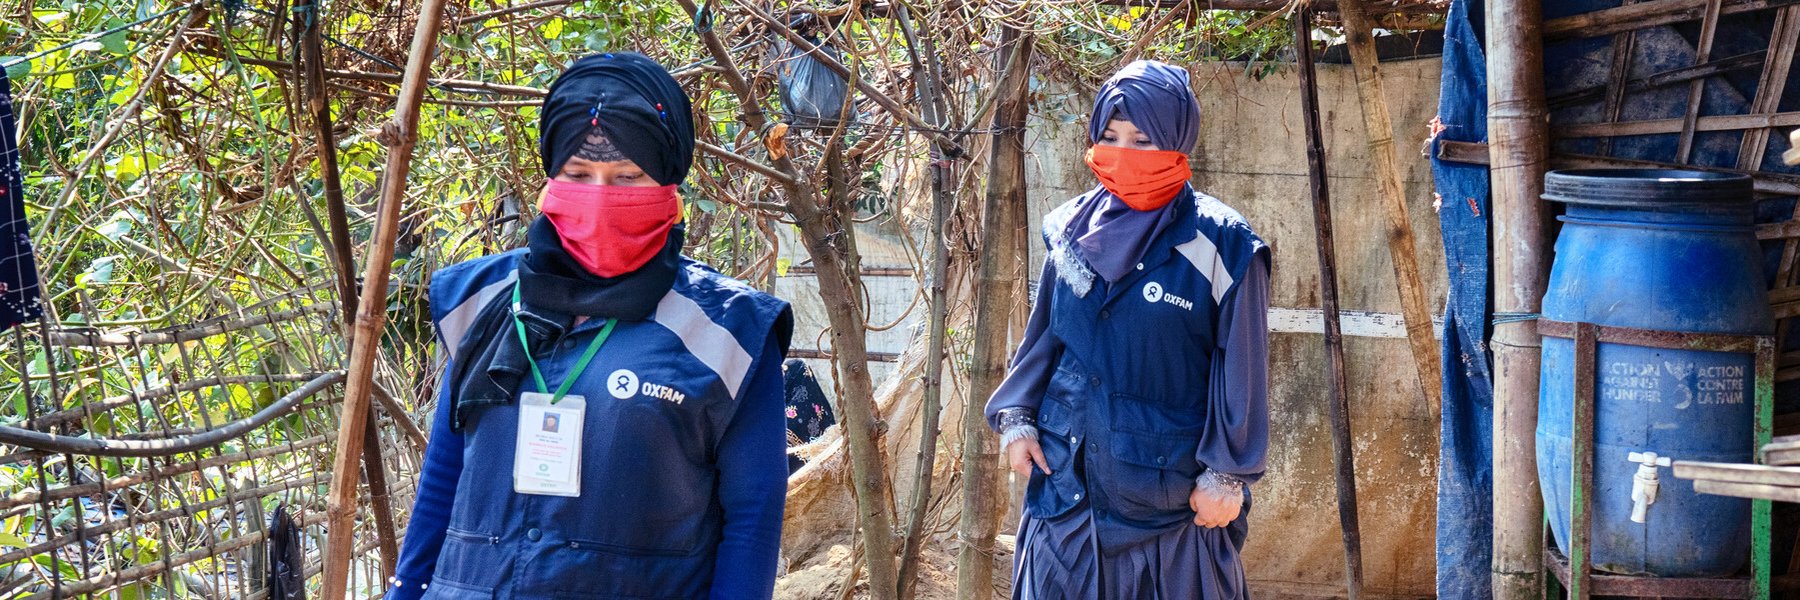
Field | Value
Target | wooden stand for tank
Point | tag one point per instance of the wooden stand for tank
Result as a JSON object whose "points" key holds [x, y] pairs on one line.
{"points": [[1575, 572]]}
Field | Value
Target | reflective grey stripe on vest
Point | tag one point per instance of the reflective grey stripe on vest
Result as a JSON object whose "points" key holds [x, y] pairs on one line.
{"points": [[456, 323], [708, 341], [1204, 254]]}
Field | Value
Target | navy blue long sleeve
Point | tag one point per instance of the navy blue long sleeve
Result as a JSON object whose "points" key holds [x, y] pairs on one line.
{"points": [[752, 467], [431, 508], [1236, 438], [1035, 361], [753, 473]]}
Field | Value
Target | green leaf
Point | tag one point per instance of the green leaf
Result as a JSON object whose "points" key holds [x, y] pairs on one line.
{"points": [[101, 271], [116, 227], [116, 43], [16, 66], [65, 516], [12, 541]]}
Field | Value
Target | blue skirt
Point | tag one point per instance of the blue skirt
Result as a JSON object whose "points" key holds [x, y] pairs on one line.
{"points": [[1067, 557]]}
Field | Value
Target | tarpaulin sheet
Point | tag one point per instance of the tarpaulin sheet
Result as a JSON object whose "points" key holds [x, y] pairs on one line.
{"points": [[1464, 527]]}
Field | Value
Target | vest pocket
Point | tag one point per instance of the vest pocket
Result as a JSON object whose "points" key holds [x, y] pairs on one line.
{"points": [[467, 561], [442, 589], [1152, 475], [1056, 413], [1140, 415], [1050, 495]]}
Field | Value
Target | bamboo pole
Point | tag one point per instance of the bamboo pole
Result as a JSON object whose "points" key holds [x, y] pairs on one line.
{"points": [[927, 79], [1645, 15], [400, 134], [1778, 63], [1518, 150], [1386, 164], [1709, 28], [318, 106], [1337, 401], [1003, 222]]}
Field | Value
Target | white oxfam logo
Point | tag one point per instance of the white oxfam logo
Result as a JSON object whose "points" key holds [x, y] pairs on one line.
{"points": [[622, 383], [1153, 292]]}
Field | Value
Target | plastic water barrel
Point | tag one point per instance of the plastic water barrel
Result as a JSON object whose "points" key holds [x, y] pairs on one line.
{"points": [[1671, 251]]}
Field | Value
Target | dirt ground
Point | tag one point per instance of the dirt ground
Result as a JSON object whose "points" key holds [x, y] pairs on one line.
{"points": [[822, 576]]}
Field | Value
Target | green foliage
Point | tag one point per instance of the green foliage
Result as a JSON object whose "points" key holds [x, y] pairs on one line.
{"points": [[1090, 40]]}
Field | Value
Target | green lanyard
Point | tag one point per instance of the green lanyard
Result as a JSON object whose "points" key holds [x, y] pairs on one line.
{"points": [[580, 366]]}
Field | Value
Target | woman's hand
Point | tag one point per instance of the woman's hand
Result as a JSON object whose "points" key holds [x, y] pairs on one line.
{"points": [[1023, 453], [1212, 509]]}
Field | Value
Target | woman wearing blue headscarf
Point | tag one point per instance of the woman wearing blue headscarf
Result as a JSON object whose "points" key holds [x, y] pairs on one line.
{"points": [[1137, 401], [609, 421]]}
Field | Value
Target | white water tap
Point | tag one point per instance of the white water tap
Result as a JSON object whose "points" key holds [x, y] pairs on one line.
{"points": [[1644, 484]]}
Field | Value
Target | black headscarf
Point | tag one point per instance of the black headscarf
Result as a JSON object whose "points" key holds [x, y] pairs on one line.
{"points": [[626, 88], [639, 106]]}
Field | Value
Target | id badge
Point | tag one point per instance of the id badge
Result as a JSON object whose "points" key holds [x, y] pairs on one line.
{"points": [[547, 453]]}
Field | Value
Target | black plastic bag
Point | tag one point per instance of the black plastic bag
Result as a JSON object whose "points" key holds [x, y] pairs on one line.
{"points": [[287, 557], [812, 95]]}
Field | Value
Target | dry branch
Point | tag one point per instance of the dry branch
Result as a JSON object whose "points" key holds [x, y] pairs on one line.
{"points": [[32, 496], [90, 338], [93, 446], [1379, 127]]}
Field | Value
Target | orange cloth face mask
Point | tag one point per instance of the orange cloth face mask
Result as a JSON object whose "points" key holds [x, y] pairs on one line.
{"points": [[1144, 179]]}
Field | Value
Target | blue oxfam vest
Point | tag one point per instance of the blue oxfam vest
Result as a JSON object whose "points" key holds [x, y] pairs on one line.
{"points": [[659, 396], [1128, 398]]}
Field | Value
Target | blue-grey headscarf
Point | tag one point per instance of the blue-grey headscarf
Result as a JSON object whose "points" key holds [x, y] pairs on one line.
{"points": [[1109, 235], [1156, 96]]}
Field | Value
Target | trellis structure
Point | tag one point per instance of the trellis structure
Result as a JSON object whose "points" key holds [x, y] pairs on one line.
{"points": [[158, 455]]}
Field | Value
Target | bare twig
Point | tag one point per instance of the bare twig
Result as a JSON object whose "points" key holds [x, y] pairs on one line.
{"points": [[746, 162]]}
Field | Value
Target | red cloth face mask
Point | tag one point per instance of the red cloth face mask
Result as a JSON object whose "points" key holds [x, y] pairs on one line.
{"points": [[610, 229], [1144, 179]]}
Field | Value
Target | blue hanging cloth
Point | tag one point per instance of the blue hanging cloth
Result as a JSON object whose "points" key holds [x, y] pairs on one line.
{"points": [[19, 292], [1465, 461]]}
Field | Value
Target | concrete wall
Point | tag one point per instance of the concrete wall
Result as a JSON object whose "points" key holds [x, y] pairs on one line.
{"points": [[1252, 155]]}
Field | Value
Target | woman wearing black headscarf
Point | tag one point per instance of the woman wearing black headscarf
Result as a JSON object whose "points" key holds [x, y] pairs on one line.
{"points": [[610, 421], [1137, 402]]}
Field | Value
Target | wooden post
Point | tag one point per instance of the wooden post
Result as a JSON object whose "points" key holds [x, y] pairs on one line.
{"points": [[318, 105], [1000, 271], [1386, 164], [1338, 400], [927, 79], [1518, 150], [399, 134], [827, 233]]}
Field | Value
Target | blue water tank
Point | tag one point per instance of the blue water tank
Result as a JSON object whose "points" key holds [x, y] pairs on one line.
{"points": [[1671, 251]]}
